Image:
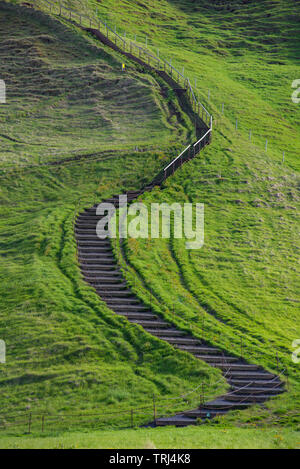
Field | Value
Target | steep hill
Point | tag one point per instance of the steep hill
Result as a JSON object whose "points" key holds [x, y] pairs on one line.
{"points": [[239, 290]]}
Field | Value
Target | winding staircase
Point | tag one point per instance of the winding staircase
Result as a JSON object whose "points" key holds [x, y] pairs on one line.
{"points": [[249, 384]]}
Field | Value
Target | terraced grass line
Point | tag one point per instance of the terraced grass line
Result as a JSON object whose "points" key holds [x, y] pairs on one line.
{"points": [[249, 384]]}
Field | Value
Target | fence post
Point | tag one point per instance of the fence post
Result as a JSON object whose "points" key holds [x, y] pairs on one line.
{"points": [[222, 108], [131, 418], [283, 157], [250, 135], [266, 147], [29, 423], [154, 408], [236, 124]]}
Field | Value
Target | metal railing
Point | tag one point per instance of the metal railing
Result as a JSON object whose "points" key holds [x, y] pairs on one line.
{"points": [[159, 64], [130, 46]]}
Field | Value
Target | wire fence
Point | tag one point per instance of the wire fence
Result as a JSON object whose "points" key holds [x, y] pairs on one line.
{"points": [[156, 408], [156, 62], [131, 47]]}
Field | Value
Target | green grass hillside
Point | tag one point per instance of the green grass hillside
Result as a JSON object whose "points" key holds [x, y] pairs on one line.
{"points": [[66, 350], [68, 97], [243, 52]]}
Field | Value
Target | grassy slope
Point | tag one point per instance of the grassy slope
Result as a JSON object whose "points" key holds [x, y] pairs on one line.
{"points": [[230, 180], [241, 62], [66, 352], [244, 281], [67, 97]]}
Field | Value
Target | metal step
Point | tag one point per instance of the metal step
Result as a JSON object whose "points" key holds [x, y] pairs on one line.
{"points": [[93, 249], [180, 340], [90, 269], [249, 375], [91, 264], [123, 300], [130, 309], [267, 384], [233, 367], [204, 414], [93, 258], [122, 307], [199, 348], [137, 315], [92, 244], [105, 279], [176, 421], [119, 296], [153, 324], [166, 332], [225, 404], [103, 269], [250, 398], [217, 359], [114, 287], [257, 390]]}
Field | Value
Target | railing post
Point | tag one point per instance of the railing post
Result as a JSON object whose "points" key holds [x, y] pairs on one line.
{"points": [[29, 422], [154, 409], [131, 418]]}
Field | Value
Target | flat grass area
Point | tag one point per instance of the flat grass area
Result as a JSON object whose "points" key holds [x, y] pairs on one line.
{"points": [[204, 437]]}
